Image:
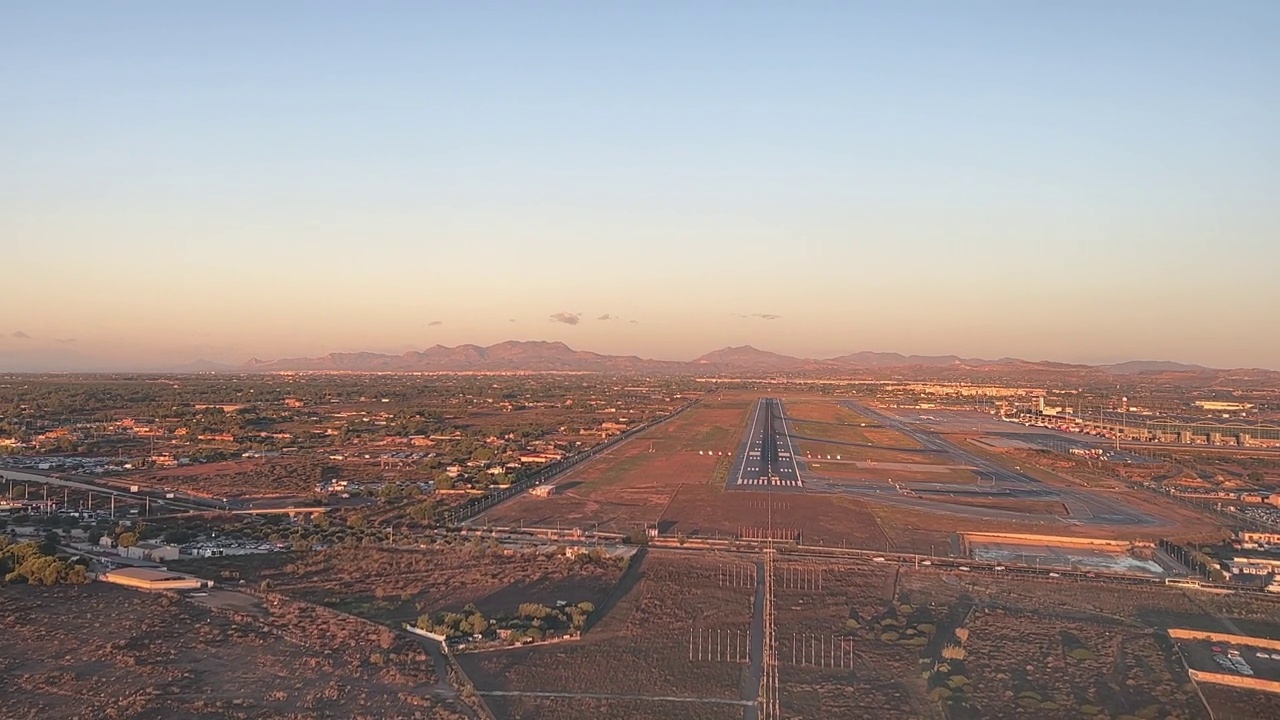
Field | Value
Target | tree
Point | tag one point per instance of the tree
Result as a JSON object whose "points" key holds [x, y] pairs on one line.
{"points": [[50, 544], [179, 536], [423, 511], [1256, 477], [128, 539], [30, 565], [444, 481]]}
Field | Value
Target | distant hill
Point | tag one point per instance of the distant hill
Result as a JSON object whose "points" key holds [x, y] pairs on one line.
{"points": [[538, 356], [1139, 367], [533, 356], [885, 359], [746, 357]]}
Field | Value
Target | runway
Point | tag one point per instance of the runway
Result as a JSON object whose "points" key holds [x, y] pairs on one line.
{"points": [[767, 457], [1093, 508]]}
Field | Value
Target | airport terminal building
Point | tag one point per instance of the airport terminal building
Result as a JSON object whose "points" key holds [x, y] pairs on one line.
{"points": [[1209, 431]]}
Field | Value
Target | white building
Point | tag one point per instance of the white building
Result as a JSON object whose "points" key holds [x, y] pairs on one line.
{"points": [[154, 552]]}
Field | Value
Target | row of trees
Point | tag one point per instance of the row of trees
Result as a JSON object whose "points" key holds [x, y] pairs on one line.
{"points": [[532, 621], [37, 563]]}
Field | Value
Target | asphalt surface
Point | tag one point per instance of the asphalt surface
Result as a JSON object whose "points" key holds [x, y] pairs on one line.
{"points": [[766, 458], [1200, 655], [1086, 508]]}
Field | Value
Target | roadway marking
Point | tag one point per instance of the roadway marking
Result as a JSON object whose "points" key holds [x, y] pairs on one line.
{"points": [[787, 432], [754, 420]]}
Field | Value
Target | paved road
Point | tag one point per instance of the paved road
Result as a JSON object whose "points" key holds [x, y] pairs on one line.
{"points": [[30, 476], [766, 458], [755, 652], [608, 696], [1086, 507]]}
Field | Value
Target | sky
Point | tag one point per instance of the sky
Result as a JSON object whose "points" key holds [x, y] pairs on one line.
{"points": [[1084, 181]]}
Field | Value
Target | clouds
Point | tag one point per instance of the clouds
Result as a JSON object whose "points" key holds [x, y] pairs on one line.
{"points": [[566, 318], [20, 335], [607, 316], [435, 323], [759, 316]]}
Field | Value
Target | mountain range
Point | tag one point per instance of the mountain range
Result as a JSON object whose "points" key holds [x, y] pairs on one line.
{"points": [[541, 356]]}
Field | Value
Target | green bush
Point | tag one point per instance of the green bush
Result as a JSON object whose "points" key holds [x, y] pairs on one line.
{"points": [[956, 681]]}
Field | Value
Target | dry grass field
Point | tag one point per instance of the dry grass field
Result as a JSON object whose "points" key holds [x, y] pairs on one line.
{"points": [[630, 485], [710, 511], [101, 651], [1042, 649], [1231, 703], [290, 477], [640, 648], [391, 585], [819, 419], [849, 611], [538, 708], [1033, 664]]}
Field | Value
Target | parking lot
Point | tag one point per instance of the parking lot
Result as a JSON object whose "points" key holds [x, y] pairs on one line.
{"points": [[1232, 659]]}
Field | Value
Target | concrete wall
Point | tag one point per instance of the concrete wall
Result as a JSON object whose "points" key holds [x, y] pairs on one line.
{"points": [[1240, 681], [1181, 634], [1048, 540], [419, 631]]}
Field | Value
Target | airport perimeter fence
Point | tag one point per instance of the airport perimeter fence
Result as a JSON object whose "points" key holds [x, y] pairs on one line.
{"points": [[472, 508]]}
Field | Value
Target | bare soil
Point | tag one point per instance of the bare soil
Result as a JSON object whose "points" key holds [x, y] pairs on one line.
{"points": [[101, 651], [641, 647]]}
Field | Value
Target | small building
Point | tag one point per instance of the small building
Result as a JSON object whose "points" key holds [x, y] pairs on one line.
{"points": [[1271, 562], [1219, 406], [1260, 538], [1238, 567], [154, 552], [543, 490], [153, 580]]}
